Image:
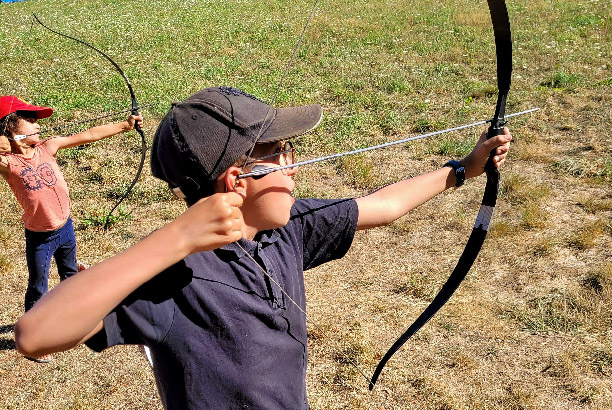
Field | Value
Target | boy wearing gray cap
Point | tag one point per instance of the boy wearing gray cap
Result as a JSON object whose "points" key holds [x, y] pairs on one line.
{"points": [[218, 294]]}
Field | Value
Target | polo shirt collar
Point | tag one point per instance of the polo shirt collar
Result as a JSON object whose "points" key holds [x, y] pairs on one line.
{"points": [[233, 252]]}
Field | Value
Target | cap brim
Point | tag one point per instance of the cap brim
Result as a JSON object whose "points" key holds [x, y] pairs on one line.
{"points": [[292, 122], [41, 112]]}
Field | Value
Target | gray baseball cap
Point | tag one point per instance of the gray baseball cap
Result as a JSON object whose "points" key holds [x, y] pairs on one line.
{"points": [[202, 136]]}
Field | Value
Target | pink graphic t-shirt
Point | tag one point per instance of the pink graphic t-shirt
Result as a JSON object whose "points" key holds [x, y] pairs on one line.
{"points": [[40, 189]]}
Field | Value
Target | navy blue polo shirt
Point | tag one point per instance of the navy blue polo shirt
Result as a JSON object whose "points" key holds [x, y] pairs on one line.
{"points": [[221, 333]]}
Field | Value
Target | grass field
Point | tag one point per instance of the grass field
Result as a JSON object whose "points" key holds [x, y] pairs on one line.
{"points": [[531, 326]]}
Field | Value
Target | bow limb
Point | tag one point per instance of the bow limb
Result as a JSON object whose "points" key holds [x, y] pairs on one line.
{"points": [[134, 111], [503, 45], [143, 155]]}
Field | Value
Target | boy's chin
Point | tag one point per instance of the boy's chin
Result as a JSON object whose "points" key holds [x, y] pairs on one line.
{"points": [[279, 221]]}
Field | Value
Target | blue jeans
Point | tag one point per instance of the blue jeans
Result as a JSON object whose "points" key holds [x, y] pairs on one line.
{"points": [[40, 247]]}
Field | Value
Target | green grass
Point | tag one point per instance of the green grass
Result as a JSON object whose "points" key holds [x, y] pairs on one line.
{"points": [[101, 218]]}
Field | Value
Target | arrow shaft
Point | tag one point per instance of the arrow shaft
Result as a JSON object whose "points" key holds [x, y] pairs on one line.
{"points": [[265, 171]]}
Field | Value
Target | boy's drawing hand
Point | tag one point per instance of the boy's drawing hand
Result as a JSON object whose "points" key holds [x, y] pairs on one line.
{"points": [[134, 119], [212, 222], [475, 162], [5, 145]]}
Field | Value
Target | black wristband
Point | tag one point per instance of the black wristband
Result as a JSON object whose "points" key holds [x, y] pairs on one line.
{"points": [[459, 172]]}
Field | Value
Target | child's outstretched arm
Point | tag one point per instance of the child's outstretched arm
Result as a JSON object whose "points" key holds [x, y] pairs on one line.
{"points": [[393, 201], [73, 311], [93, 134]]}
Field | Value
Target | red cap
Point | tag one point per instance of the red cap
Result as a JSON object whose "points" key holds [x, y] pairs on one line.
{"points": [[10, 104]]}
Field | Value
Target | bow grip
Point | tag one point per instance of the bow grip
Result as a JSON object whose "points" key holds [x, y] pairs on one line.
{"points": [[496, 128], [136, 112]]}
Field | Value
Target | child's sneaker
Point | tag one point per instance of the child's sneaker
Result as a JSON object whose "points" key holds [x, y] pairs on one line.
{"points": [[48, 358], [81, 266]]}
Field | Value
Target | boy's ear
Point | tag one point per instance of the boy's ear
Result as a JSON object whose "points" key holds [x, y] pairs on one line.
{"points": [[232, 183]]}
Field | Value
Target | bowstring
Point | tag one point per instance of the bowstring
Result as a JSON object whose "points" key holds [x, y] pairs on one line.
{"points": [[344, 355], [296, 48], [250, 152], [100, 117]]}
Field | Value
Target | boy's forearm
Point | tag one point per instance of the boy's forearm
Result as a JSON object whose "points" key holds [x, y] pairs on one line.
{"points": [[393, 201], [73, 309]]}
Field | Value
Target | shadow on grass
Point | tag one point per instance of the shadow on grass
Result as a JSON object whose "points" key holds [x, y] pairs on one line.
{"points": [[7, 344], [7, 328]]}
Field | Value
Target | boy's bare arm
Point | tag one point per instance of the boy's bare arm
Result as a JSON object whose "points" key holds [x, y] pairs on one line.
{"points": [[393, 201], [92, 134], [73, 311]]}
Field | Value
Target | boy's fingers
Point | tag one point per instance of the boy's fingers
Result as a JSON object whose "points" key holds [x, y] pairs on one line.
{"points": [[502, 149], [233, 198], [237, 216], [497, 141]]}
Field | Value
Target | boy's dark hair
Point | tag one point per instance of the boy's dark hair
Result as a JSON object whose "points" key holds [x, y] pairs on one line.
{"points": [[204, 135]]}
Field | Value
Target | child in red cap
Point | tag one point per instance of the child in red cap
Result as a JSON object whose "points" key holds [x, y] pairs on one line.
{"points": [[29, 167]]}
